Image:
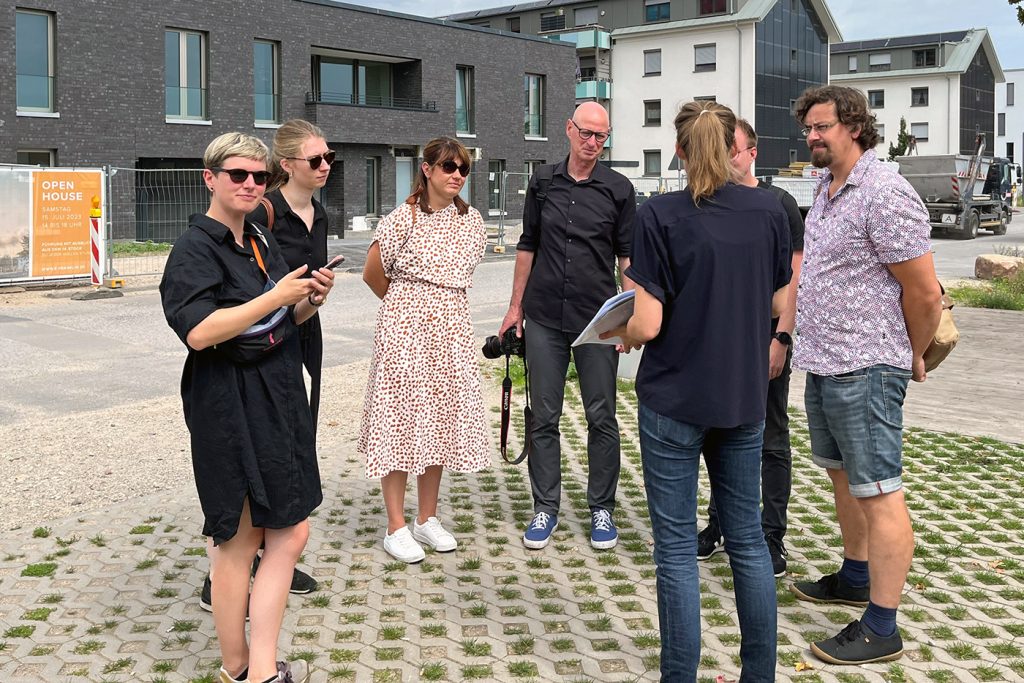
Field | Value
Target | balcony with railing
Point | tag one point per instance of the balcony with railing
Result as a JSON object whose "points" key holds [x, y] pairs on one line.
{"points": [[370, 100], [593, 89]]}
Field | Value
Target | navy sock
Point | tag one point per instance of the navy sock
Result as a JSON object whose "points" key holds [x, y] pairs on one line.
{"points": [[881, 620], [855, 572]]}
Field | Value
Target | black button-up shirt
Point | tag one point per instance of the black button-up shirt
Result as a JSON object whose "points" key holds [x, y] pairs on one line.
{"points": [[576, 235], [298, 243]]}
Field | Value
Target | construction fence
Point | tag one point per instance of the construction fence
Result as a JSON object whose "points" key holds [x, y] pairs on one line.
{"points": [[145, 210]]}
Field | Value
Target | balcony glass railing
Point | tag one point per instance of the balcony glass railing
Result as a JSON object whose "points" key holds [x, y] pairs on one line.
{"points": [[185, 103], [35, 93], [368, 100], [266, 108]]}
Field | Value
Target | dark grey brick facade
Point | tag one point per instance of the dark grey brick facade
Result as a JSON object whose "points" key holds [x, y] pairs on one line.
{"points": [[110, 85]]}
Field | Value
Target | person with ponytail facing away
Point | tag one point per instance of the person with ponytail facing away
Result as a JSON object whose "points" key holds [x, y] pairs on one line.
{"points": [[424, 408], [228, 294], [711, 264]]}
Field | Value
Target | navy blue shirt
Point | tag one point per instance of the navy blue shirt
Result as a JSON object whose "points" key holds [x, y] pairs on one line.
{"points": [[714, 268]]}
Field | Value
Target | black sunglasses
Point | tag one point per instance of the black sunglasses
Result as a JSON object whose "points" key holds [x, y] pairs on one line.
{"points": [[238, 175], [314, 162], [450, 167]]}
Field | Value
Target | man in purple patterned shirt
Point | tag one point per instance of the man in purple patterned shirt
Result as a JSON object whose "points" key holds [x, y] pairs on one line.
{"points": [[867, 308]]}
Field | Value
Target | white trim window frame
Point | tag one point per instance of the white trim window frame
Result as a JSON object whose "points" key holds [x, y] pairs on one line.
{"points": [[533, 106], [187, 72], [50, 76], [259, 103], [464, 85], [705, 57]]}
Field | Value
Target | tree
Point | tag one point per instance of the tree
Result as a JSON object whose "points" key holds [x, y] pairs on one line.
{"points": [[902, 142], [1020, 10]]}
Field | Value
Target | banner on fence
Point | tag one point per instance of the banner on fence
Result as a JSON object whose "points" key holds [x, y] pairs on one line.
{"points": [[47, 231]]}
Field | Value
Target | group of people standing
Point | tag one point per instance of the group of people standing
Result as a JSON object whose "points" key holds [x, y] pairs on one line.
{"points": [[726, 295]]}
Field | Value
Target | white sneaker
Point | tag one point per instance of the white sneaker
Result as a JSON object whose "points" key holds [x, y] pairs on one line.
{"points": [[403, 547], [434, 535]]}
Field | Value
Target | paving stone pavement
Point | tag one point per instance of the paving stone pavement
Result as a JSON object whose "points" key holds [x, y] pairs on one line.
{"points": [[113, 596]]}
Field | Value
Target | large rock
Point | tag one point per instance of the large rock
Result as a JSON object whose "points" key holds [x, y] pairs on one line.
{"points": [[992, 266]]}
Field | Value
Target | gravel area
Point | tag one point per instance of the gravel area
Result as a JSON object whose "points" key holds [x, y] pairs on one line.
{"points": [[68, 465]]}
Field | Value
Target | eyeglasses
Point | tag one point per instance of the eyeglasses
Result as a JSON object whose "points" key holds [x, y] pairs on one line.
{"points": [[238, 175], [587, 134], [819, 128], [450, 166], [314, 162]]}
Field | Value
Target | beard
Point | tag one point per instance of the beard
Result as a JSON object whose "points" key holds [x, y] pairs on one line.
{"points": [[821, 157]]}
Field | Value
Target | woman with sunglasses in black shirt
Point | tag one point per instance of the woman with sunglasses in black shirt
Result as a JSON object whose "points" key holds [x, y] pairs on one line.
{"points": [[301, 163], [228, 294]]}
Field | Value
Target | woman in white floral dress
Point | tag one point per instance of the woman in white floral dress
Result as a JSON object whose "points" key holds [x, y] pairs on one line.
{"points": [[424, 409]]}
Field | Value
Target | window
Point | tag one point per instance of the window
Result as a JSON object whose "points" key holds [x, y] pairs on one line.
{"points": [[36, 157], [266, 80], [533, 105], [712, 7], [1001, 125], [342, 80], [656, 10], [530, 166], [372, 186], [876, 98], [652, 62], [924, 57], [652, 112], [880, 127], [1009, 94], [705, 98], [34, 61], [880, 61], [919, 131], [919, 97], [704, 57], [652, 162], [512, 24], [1009, 151], [852, 63], [585, 16], [464, 114], [185, 74], [552, 21]]}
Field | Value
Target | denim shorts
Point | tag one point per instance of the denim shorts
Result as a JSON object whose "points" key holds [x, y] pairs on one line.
{"points": [[856, 424]]}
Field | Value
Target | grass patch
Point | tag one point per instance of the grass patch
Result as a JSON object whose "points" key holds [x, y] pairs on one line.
{"points": [[1002, 293], [140, 248], [40, 569]]}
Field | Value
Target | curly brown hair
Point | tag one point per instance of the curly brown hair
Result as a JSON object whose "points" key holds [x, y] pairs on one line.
{"points": [[851, 109]]}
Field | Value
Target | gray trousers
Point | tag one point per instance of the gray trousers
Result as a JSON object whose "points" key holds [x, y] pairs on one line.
{"points": [[547, 354]]}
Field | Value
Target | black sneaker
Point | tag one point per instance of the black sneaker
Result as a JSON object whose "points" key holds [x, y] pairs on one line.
{"points": [[856, 644], [778, 552], [709, 542], [302, 583], [832, 589]]}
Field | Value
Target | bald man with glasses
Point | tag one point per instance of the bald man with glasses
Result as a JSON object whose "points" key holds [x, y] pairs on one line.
{"points": [[577, 223]]}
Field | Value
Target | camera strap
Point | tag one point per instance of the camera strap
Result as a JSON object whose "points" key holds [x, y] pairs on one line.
{"points": [[506, 408]]}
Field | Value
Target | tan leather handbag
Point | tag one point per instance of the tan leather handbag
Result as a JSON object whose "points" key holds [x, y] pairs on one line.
{"points": [[945, 338]]}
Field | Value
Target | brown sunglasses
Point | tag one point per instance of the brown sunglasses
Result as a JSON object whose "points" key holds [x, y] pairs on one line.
{"points": [[450, 167], [314, 162]]}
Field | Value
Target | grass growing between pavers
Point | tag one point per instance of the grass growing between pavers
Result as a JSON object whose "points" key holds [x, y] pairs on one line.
{"points": [[104, 601]]}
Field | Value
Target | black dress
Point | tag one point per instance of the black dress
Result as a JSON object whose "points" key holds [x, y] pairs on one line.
{"points": [[300, 245], [252, 434]]}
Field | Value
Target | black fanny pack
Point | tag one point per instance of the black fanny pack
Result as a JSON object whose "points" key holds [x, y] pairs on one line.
{"points": [[263, 337]]}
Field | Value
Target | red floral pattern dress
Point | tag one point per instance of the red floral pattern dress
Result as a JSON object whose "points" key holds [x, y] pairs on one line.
{"points": [[423, 403]]}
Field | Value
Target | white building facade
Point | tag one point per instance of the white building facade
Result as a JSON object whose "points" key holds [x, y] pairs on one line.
{"points": [[1010, 116], [942, 85]]}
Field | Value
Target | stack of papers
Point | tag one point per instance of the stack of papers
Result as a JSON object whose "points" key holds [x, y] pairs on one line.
{"points": [[614, 313]]}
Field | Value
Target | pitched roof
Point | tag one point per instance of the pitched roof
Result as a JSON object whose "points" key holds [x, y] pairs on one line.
{"points": [[958, 60]]}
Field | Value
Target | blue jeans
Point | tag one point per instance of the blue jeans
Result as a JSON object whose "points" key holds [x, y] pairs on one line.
{"points": [[671, 450], [856, 424]]}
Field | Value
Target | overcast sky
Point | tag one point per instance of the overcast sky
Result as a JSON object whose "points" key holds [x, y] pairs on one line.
{"points": [[857, 19]]}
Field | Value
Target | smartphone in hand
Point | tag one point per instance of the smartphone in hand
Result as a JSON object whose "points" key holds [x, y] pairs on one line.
{"points": [[335, 262]]}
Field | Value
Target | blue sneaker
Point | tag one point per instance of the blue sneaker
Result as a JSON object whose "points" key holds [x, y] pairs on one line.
{"points": [[539, 532], [603, 534]]}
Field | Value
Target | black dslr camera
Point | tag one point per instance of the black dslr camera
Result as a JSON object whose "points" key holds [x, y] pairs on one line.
{"points": [[507, 344]]}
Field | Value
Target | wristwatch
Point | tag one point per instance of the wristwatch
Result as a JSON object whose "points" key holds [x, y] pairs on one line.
{"points": [[784, 338]]}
